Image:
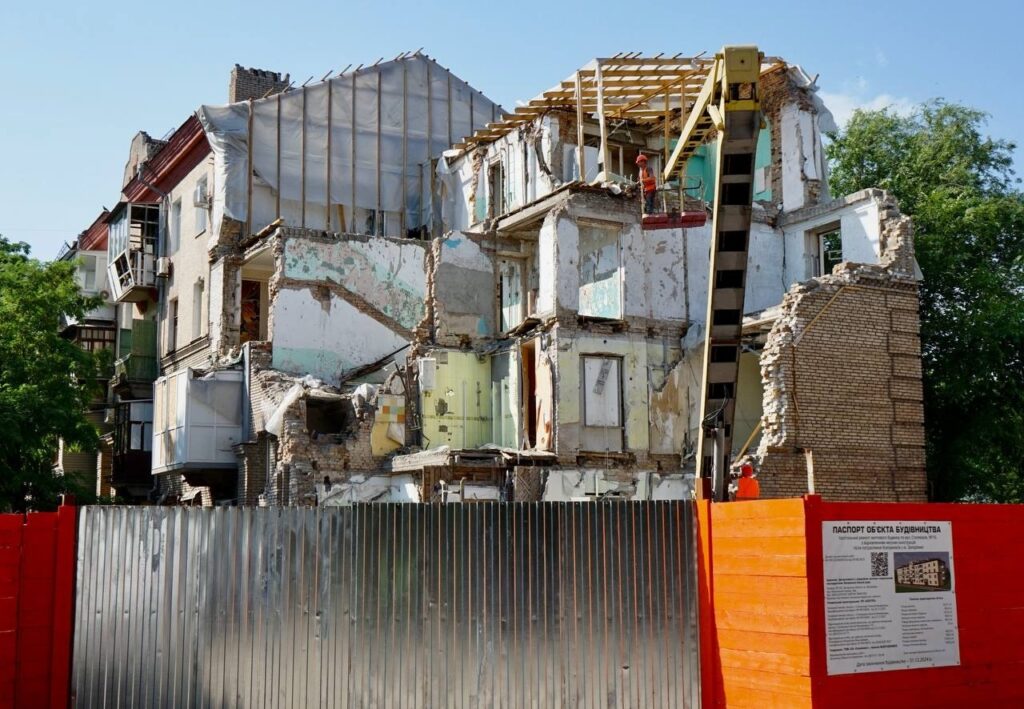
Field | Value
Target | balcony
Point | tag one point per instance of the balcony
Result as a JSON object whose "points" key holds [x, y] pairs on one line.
{"points": [[136, 366], [132, 251], [133, 443]]}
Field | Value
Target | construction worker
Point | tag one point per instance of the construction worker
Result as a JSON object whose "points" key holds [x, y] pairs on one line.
{"points": [[648, 182], [747, 487]]}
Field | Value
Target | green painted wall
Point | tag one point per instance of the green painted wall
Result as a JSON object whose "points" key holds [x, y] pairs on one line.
{"points": [[459, 402], [702, 166]]}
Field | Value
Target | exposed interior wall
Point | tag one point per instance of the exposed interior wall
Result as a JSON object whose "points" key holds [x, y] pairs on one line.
{"points": [[463, 289], [455, 399], [341, 303]]}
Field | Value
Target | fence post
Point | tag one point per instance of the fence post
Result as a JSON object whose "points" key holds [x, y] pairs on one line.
{"points": [[63, 602], [815, 595]]}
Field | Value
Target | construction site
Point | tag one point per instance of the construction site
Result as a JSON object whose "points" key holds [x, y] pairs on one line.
{"points": [[358, 319]]}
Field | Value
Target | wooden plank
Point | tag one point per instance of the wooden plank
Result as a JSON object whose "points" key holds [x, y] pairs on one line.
{"points": [[771, 681], [766, 661], [761, 545], [773, 586], [778, 527], [777, 565], [752, 598], [729, 619], [783, 643]]}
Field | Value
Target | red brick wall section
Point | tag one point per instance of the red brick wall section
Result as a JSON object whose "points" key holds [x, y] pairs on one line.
{"points": [[37, 570]]}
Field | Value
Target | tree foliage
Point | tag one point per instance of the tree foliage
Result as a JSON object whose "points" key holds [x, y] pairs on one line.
{"points": [[960, 189], [46, 382]]}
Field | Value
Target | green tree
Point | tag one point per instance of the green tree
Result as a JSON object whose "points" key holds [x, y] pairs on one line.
{"points": [[960, 189], [46, 381]]}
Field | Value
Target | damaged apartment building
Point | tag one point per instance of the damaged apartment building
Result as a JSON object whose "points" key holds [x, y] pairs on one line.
{"points": [[383, 287]]}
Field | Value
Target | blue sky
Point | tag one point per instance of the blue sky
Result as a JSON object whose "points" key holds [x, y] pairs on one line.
{"points": [[79, 79]]}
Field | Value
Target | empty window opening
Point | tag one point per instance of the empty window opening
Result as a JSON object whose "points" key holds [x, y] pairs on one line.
{"points": [[251, 327], [327, 416], [830, 246], [529, 364]]}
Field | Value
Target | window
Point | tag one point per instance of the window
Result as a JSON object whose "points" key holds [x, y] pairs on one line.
{"points": [[602, 403], [174, 228], [89, 273], [198, 291], [600, 274], [496, 188], [831, 250], [511, 285], [172, 326], [94, 339], [202, 202], [133, 426]]}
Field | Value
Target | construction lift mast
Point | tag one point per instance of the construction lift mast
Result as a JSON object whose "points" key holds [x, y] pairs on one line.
{"points": [[729, 104]]}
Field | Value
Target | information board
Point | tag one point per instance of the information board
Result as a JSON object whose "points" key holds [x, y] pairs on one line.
{"points": [[890, 596]]}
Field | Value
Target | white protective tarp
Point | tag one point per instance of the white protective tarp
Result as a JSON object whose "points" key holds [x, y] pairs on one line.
{"points": [[412, 95]]}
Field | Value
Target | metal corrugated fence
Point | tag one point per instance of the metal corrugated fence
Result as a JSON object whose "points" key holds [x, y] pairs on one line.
{"points": [[526, 604]]}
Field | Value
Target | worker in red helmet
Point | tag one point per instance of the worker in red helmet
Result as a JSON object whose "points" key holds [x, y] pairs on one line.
{"points": [[648, 181], [747, 487]]}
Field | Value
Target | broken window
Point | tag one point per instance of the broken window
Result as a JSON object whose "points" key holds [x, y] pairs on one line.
{"points": [[600, 272], [602, 403], [831, 249]]}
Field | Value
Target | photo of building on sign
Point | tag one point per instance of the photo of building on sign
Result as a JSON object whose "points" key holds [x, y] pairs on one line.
{"points": [[922, 571]]}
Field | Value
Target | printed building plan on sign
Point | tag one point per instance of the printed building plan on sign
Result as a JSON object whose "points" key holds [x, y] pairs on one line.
{"points": [[890, 596]]}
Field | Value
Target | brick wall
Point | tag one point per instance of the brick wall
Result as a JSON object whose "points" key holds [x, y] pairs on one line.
{"points": [[842, 370], [249, 83]]}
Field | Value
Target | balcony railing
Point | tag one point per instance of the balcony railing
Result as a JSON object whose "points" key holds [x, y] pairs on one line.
{"points": [[135, 368], [133, 271]]}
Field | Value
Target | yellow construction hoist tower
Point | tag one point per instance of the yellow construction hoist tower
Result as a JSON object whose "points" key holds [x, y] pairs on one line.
{"points": [[728, 104]]}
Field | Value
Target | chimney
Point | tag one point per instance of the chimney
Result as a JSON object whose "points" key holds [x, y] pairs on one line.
{"points": [[254, 83]]}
